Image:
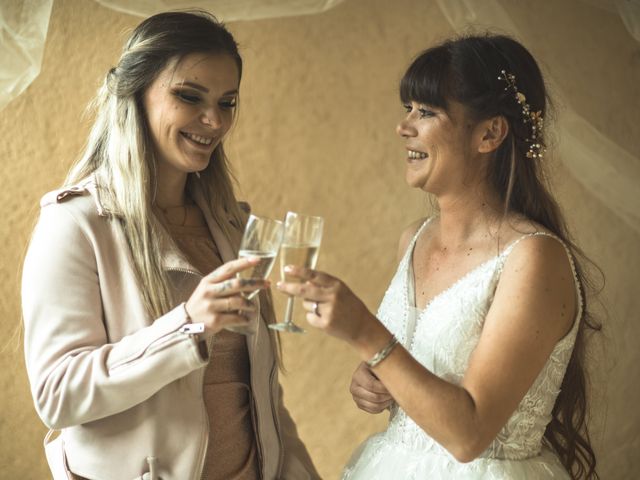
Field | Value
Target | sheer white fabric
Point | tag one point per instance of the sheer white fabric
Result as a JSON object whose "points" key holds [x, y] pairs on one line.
{"points": [[23, 30], [442, 337], [629, 11], [227, 10], [606, 169], [603, 167], [24, 25]]}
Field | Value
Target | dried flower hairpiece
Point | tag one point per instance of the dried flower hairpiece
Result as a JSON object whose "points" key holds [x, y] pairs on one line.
{"points": [[536, 149]]}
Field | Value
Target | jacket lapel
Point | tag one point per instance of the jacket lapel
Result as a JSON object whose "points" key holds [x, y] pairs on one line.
{"points": [[227, 250]]}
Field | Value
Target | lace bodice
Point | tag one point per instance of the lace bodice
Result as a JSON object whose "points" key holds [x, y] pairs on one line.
{"points": [[442, 337]]}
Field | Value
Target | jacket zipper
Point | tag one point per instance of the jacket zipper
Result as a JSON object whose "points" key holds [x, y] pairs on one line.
{"points": [[165, 340], [205, 436], [185, 270], [204, 439], [276, 418], [254, 413], [274, 414]]}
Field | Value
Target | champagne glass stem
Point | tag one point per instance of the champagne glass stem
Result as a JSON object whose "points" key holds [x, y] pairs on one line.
{"points": [[288, 314]]}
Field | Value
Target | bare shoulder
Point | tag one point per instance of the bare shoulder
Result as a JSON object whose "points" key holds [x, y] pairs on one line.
{"points": [[540, 253], [534, 243], [407, 235], [534, 307], [538, 272]]}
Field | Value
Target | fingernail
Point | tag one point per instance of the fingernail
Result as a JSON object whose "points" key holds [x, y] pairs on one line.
{"points": [[288, 268], [254, 259], [279, 285]]}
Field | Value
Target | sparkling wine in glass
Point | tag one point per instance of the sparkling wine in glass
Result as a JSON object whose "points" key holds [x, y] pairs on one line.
{"points": [[262, 238], [300, 247]]}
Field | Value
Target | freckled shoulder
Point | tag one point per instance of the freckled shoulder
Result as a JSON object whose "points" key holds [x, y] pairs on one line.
{"points": [[542, 250], [541, 266]]}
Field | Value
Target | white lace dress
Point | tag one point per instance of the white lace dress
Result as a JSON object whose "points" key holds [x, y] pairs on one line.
{"points": [[442, 337]]}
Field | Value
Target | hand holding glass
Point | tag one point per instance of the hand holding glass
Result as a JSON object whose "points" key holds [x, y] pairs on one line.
{"points": [[262, 238], [300, 247]]}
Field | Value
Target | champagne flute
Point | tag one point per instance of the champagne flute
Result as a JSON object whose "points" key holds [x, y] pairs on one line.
{"points": [[300, 246], [262, 238]]}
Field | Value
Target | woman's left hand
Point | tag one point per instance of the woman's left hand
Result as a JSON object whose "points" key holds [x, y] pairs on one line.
{"points": [[331, 305]]}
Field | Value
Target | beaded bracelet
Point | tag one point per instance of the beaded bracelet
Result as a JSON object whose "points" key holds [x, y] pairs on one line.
{"points": [[383, 352]]}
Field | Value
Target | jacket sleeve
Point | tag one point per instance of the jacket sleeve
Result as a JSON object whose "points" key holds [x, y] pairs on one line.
{"points": [[76, 374], [297, 463]]}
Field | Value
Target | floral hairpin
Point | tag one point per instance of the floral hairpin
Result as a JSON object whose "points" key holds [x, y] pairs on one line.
{"points": [[536, 149]]}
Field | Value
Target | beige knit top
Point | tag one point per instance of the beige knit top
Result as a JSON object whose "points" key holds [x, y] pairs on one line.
{"points": [[231, 452]]}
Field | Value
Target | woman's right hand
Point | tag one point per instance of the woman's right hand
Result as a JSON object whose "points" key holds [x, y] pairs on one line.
{"points": [[217, 301], [368, 392]]}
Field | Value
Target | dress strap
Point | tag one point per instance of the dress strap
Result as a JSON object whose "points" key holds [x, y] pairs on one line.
{"points": [[578, 287], [408, 252]]}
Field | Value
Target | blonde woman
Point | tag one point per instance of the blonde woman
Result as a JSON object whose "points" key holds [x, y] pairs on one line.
{"points": [[130, 282]]}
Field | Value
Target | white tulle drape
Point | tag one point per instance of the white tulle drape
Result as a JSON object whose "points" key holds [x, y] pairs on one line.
{"points": [[23, 31], [606, 169], [227, 10], [24, 25]]}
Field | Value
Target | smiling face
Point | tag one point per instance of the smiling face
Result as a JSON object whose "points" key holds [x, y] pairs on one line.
{"points": [[440, 147], [189, 109]]}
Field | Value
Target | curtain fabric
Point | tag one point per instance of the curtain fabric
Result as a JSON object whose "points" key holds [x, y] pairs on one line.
{"points": [[227, 10], [23, 31], [605, 168], [24, 25]]}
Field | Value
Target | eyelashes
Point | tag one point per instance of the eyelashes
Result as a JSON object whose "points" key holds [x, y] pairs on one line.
{"points": [[191, 99], [424, 112], [228, 103], [194, 99]]}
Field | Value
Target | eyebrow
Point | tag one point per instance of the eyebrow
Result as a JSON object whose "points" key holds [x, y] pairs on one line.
{"points": [[204, 89]]}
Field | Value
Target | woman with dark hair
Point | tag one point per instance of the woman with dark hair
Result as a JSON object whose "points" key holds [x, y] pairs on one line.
{"points": [[129, 284], [478, 346]]}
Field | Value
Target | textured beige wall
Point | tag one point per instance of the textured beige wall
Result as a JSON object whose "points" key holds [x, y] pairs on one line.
{"points": [[316, 134]]}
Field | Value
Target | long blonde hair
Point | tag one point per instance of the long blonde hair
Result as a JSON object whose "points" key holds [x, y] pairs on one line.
{"points": [[119, 152]]}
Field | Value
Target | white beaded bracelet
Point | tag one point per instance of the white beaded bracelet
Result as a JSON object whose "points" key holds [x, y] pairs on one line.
{"points": [[383, 352]]}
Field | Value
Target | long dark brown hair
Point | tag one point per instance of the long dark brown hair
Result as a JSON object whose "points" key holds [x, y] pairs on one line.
{"points": [[466, 70]]}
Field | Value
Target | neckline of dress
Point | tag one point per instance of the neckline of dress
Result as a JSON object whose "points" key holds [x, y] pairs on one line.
{"points": [[410, 276]]}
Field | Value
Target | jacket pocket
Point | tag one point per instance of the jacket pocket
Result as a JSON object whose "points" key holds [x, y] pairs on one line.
{"points": [[56, 458], [152, 474]]}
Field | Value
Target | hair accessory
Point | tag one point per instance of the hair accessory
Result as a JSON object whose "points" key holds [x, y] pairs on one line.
{"points": [[383, 352], [536, 149]]}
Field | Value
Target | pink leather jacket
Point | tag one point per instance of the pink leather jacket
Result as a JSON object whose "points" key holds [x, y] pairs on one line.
{"points": [[126, 389]]}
